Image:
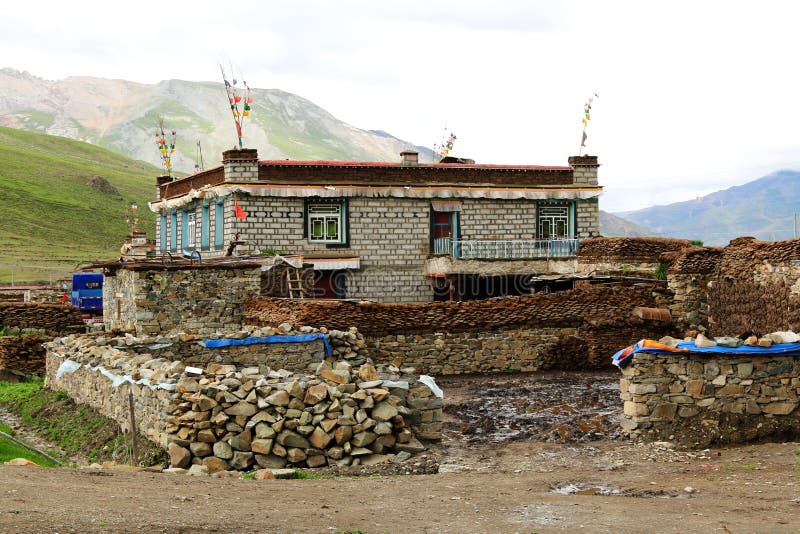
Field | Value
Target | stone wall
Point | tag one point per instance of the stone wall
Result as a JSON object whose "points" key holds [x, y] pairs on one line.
{"points": [[233, 416], [50, 319], [698, 400], [200, 300], [485, 352]]}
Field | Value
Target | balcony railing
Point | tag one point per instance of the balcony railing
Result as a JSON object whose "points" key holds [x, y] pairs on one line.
{"points": [[516, 249]]}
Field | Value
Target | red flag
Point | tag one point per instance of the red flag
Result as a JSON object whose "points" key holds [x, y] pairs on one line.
{"points": [[237, 209]]}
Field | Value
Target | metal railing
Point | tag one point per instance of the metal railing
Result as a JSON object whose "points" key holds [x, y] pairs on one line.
{"points": [[505, 249]]}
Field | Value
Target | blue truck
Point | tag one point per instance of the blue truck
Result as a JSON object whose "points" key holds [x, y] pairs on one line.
{"points": [[87, 295]]}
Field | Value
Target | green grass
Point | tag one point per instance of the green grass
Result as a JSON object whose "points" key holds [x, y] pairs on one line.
{"points": [[739, 467], [51, 219], [77, 429], [10, 450]]}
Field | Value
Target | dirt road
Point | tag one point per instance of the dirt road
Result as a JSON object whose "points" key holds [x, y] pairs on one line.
{"points": [[483, 485]]}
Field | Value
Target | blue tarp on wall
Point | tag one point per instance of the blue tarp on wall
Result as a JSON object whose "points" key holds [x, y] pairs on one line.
{"points": [[298, 338], [623, 357]]}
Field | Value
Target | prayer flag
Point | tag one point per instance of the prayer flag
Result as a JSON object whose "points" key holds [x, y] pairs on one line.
{"points": [[238, 211]]}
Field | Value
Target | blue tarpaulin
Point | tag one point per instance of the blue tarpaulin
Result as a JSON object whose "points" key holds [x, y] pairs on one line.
{"points": [[298, 338], [623, 357]]}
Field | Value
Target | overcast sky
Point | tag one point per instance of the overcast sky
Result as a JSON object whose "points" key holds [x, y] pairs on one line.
{"points": [[693, 96]]}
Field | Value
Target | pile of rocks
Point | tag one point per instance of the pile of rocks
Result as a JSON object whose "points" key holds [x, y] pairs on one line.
{"points": [[232, 408], [229, 418]]}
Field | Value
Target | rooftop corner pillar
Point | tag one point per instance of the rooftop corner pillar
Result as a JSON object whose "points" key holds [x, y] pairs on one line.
{"points": [[240, 165], [161, 180], [584, 169]]}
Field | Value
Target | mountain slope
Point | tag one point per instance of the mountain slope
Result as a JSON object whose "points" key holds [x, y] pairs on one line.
{"points": [[122, 116], [614, 226], [763, 208], [65, 202]]}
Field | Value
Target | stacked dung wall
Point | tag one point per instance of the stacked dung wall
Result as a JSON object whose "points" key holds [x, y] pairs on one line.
{"points": [[22, 356], [747, 287], [611, 253], [700, 399], [756, 289], [50, 319], [573, 329]]}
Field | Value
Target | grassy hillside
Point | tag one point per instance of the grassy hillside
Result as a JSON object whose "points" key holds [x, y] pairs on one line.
{"points": [[763, 208], [122, 116], [53, 214]]}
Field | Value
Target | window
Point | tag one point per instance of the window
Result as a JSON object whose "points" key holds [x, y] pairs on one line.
{"points": [[219, 225], [188, 230], [205, 226], [191, 241], [162, 232], [173, 231], [554, 220], [326, 221]]}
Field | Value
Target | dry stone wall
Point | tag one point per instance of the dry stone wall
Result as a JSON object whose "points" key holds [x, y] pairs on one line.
{"points": [[200, 300], [698, 400], [230, 416]]}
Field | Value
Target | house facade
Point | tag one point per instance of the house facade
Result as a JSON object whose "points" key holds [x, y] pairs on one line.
{"points": [[391, 232]]}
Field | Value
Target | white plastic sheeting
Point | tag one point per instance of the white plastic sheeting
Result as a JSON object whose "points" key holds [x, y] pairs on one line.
{"points": [[69, 366], [431, 383]]}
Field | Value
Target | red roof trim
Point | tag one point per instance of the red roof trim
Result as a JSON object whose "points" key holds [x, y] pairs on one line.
{"points": [[333, 163]]}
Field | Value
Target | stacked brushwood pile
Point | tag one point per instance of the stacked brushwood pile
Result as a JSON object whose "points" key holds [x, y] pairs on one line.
{"points": [[22, 356]]}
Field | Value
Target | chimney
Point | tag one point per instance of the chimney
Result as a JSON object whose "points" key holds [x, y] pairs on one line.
{"points": [[240, 165], [584, 169], [409, 158]]}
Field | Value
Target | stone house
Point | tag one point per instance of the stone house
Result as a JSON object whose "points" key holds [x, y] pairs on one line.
{"points": [[392, 232]]}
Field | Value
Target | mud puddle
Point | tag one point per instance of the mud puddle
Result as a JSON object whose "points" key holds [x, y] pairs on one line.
{"points": [[572, 488], [557, 407]]}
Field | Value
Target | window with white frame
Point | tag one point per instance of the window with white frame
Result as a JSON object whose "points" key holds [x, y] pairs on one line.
{"points": [[326, 222], [554, 221], [190, 226]]}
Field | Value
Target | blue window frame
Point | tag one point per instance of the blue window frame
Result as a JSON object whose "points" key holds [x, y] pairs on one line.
{"points": [[205, 225], [173, 231], [162, 232], [219, 225]]}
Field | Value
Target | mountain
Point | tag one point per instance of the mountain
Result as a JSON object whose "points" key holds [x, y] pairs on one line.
{"points": [[122, 116], [763, 208], [614, 226], [65, 202]]}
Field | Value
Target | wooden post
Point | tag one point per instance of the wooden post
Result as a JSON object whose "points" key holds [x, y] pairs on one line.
{"points": [[134, 449]]}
